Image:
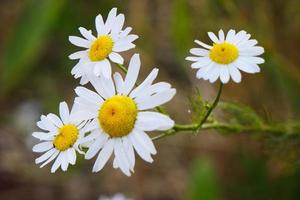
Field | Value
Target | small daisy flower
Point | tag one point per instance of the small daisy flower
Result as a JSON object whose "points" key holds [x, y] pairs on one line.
{"points": [[111, 39], [226, 57], [117, 196], [120, 118], [60, 139]]}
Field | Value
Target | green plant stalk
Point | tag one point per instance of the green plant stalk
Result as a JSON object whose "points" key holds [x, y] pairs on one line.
{"points": [[193, 127], [278, 130]]}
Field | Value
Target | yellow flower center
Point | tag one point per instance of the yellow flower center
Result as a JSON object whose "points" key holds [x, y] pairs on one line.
{"points": [[101, 48], [224, 53], [117, 115], [66, 137]]}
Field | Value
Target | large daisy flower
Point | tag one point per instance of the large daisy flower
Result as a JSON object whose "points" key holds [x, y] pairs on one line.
{"points": [[226, 57], [59, 139], [119, 116], [105, 47]]}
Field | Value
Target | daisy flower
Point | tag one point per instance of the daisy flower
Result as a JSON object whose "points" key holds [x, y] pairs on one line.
{"points": [[110, 40], [119, 116], [59, 139], [226, 57], [117, 196]]}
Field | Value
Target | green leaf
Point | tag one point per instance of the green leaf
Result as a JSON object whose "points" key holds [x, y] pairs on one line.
{"points": [[203, 182], [25, 44], [241, 114], [198, 106]]}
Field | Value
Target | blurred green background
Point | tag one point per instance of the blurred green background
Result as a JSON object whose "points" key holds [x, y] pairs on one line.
{"points": [[35, 77]]}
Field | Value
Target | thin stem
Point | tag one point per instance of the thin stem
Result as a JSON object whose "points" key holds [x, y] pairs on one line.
{"points": [[215, 103], [192, 127], [278, 129], [122, 68]]}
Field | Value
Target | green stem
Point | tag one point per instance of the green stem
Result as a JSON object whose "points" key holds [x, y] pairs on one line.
{"points": [[278, 129], [215, 103], [192, 127]]}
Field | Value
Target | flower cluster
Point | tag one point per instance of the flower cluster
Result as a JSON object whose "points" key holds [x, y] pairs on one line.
{"points": [[113, 118]]}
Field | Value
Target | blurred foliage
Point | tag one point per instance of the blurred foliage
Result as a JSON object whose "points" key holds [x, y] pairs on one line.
{"points": [[203, 181], [241, 114], [25, 44]]}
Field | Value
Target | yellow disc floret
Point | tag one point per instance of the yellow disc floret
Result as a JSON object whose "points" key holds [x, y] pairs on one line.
{"points": [[224, 53], [101, 48], [117, 115], [66, 137]]}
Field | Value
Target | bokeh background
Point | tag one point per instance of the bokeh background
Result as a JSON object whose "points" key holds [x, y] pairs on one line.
{"points": [[35, 77]]}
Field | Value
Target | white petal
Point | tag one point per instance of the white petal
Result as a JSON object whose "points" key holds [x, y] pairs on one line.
{"points": [[80, 42], [103, 68], [57, 163], [199, 51], [89, 95], [99, 23], [119, 82], [141, 151], [42, 147], [124, 47], [55, 120], [45, 156], [77, 55], [46, 124], [115, 57], [132, 74], [224, 74], [235, 73], [204, 70], [98, 86], [104, 155], [95, 146], [156, 99], [245, 66], [255, 60], [148, 81], [54, 155], [150, 121], [153, 89], [92, 136], [130, 152], [104, 86], [43, 135], [64, 112], [145, 140], [252, 51], [64, 161], [110, 19], [71, 154], [118, 25], [221, 36], [125, 32], [230, 35], [214, 74], [121, 157], [203, 44], [213, 37], [87, 34], [202, 62]]}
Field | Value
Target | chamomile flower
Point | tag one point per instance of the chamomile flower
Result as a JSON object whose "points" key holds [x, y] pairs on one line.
{"points": [[120, 118], [226, 57], [110, 40], [59, 139], [117, 196]]}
